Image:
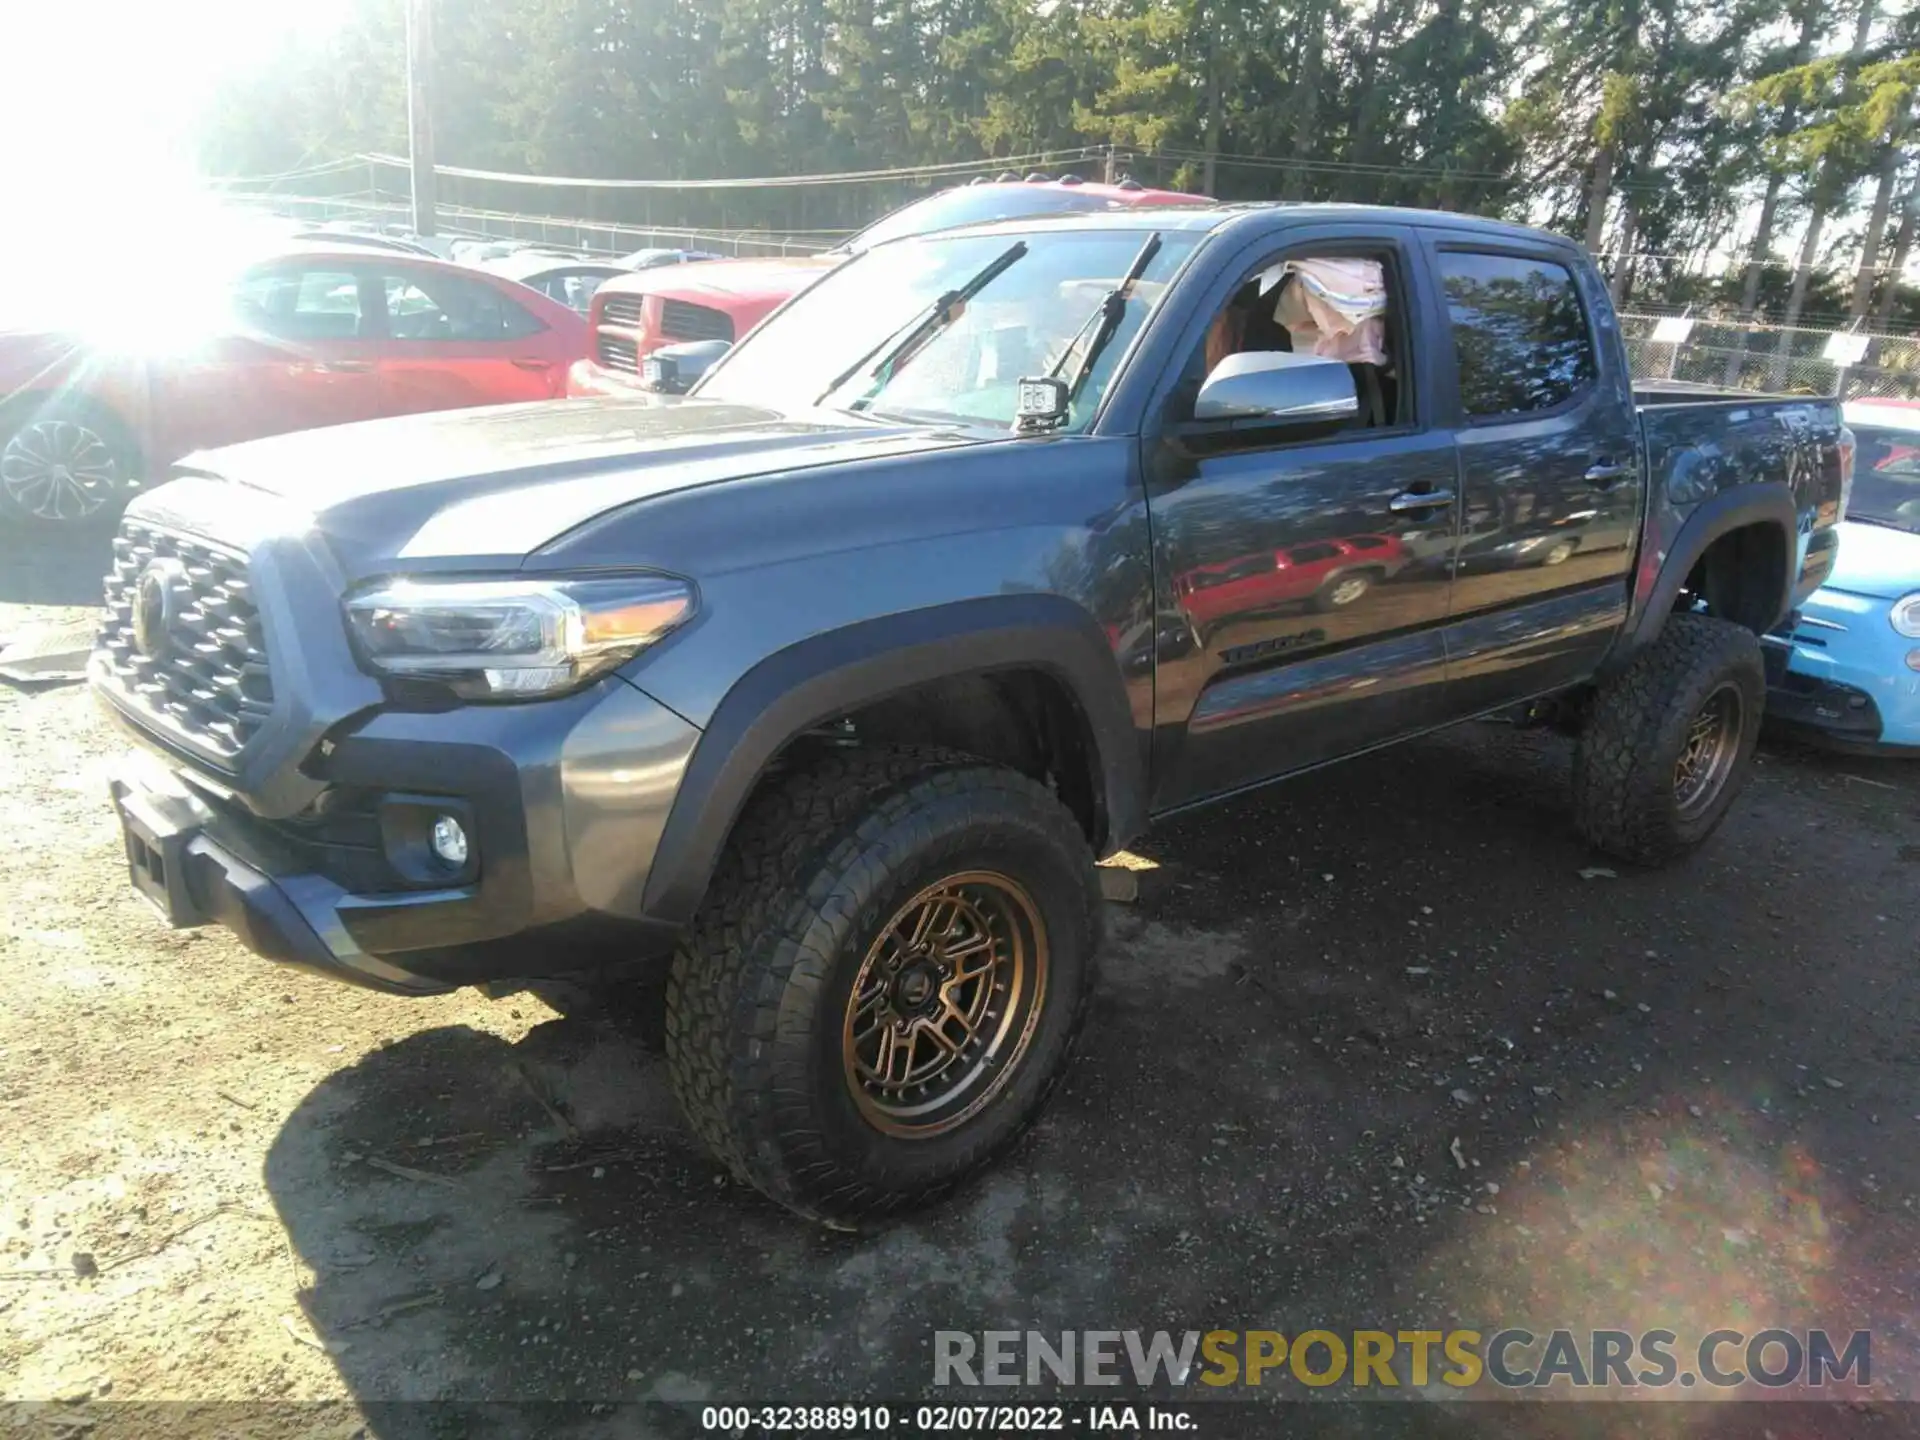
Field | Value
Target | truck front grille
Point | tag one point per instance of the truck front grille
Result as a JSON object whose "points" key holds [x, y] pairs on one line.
{"points": [[683, 320], [623, 310], [616, 352], [182, 639]]}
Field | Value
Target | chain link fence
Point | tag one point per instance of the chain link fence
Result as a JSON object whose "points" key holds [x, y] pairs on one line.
{"points": [[1727, 354], [587, 237]]}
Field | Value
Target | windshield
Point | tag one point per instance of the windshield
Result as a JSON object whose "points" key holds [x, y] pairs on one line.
{"points": [[1886, 477], [1019, 323], [972, 205]]}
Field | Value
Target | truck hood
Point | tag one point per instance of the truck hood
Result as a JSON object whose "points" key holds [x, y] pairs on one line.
{"points": [[1876, 561], [497, 484]]}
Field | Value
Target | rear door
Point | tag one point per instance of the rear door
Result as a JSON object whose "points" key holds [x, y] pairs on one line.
{"points": [[1549, 463], [456, 340]]}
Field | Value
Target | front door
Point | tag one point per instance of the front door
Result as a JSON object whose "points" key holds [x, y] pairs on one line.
{"points": [[1312, 569], [301, 355]]}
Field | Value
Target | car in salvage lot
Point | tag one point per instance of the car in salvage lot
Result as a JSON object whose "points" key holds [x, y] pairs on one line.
{"points": [[1845, 667], [305, 335], [569, 280], [826, 684]]}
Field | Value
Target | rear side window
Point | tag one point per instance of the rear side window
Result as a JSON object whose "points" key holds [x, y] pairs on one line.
{"points": [[432, 305], [1518, 331]]}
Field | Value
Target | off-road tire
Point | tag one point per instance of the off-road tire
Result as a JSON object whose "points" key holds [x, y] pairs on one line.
{"points": [[1624, 793], [757, 994]]}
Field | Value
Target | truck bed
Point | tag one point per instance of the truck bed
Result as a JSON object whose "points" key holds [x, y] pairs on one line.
{"points": [[1701, 442]]}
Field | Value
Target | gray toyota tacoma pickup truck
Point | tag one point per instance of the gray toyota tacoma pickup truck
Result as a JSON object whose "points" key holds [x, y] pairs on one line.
{"points": [[824, 686]]}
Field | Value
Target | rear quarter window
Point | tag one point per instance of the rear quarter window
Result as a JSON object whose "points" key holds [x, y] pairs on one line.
{"points": [[1519, 333]]}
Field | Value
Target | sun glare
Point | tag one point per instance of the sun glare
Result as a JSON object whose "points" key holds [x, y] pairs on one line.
{"points": [[98, 153]]}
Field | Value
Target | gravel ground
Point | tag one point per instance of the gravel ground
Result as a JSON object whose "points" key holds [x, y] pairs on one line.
{"points": [[1381, 1047]]}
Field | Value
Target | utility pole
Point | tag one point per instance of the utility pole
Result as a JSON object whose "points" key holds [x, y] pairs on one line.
{"points": [[420, 112]]}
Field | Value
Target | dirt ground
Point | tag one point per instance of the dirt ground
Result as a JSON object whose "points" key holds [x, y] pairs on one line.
{"points": [[1384, 1046]]}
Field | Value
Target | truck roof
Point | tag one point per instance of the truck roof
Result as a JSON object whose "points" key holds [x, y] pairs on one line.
{"points": [[1222, 214]]}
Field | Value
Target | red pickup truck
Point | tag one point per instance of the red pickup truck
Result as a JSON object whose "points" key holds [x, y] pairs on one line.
{"points": [[312, 335], [723, 299]]}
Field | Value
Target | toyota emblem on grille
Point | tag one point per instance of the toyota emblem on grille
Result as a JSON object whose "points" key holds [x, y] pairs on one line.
{"points": [[156, 603]]}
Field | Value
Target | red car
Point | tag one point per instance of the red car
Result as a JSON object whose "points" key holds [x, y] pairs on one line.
{"points": [[1326, 574], [304, 337], [723, 299]]}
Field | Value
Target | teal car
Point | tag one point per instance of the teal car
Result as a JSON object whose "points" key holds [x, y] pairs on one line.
{"points": [[1846, 666]]}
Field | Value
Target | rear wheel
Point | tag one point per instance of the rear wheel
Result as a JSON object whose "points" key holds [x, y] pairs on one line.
{"points": [[63, 463], [1668, 743], [886, 981]]}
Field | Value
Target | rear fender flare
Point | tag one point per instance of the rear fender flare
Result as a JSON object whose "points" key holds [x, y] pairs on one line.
{"points": [[1767, 503], [808, 683]]}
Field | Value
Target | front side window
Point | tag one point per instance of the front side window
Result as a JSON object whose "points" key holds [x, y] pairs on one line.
{"points": [[830, 346], [1519, 333], [1337, 307], [302, 304]]}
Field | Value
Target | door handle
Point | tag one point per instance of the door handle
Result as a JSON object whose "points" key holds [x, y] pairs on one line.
{"points": [[1420, 500], [334, 367], [532, 362], [1604, 472]]}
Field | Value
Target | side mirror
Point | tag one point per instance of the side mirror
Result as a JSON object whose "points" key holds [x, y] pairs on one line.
{"points": [[673, 369], [1279, 387]]}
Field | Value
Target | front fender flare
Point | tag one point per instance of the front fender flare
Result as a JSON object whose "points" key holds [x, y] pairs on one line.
{"points": [[814, 680]]}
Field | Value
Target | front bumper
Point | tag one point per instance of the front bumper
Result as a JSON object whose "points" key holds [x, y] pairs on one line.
{"points": [[564, 802], [589, 378], [1823, 679]]}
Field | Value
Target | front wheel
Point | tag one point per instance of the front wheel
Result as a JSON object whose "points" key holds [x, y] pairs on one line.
{"points": [[1558, 553], [1668, 743], [63, 463], [1342, 591], [886, 980]]}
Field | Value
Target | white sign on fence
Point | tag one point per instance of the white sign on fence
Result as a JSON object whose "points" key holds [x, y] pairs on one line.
{"points": [[1672, 330], [1846, 348]]}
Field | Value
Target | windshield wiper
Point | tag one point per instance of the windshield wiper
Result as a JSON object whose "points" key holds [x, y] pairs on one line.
{"points": [[937, 316], [1112, 307]]}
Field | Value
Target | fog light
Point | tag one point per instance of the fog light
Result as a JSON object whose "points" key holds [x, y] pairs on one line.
{"points": [[1913, 659], [449, 841]]}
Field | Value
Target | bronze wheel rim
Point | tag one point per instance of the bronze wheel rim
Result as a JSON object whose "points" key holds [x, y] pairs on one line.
{"points": [[1708, 753], [944, 1007]]}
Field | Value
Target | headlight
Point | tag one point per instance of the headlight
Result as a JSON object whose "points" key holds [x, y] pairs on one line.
{"points": [[1906, 615], [513, 639]]}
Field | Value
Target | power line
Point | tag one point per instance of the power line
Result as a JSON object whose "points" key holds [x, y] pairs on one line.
{"points": [[331, 167], [754, 182]]}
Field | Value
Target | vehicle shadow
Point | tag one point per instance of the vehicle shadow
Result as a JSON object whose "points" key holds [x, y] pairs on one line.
{"points": [[53, 565], [1385, 1048]]}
